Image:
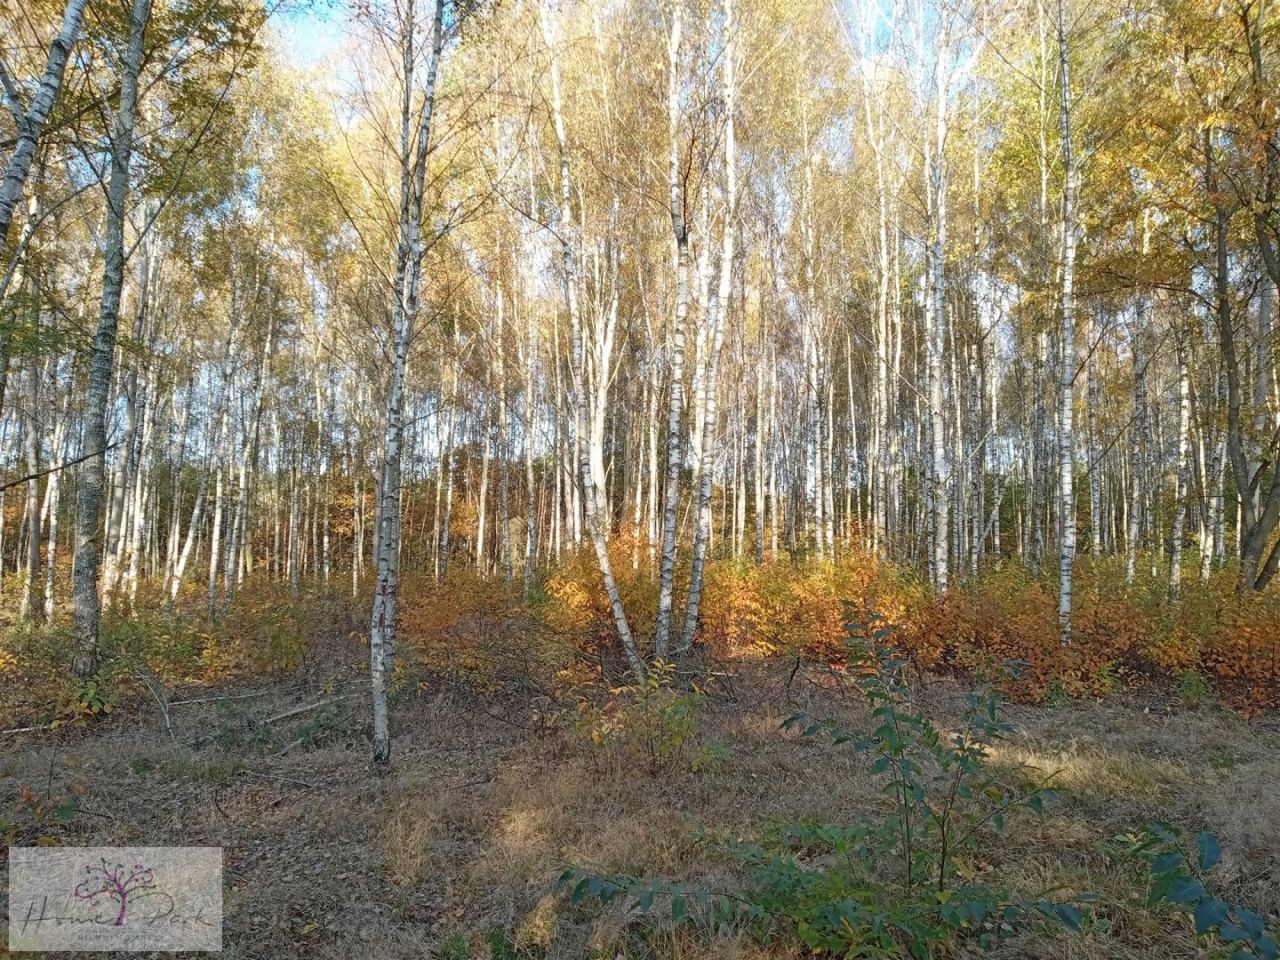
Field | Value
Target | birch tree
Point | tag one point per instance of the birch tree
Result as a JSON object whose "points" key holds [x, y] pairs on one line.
{"points": [[1066, 435], [417, 102], [578, 387], [88, 544], [31, 119]]}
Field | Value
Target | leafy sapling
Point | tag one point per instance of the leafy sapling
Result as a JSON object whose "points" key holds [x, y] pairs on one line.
{"points": [[1180, 878]]}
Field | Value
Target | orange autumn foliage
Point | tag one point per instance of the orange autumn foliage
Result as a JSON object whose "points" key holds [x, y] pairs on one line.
{"points": [[1122, 635], [563, 632]]}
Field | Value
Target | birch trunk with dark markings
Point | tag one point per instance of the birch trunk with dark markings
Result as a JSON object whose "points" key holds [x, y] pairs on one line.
{"points": [[1066, 436], [88, 543], [415, 141], [578, 382], [32, 122], [675, 406]]}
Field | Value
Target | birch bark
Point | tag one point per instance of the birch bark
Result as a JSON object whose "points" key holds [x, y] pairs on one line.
{"points": [[415, 140], [717, 309], [675, 407], [88, 544], [32, 122], [1066, 437], [578, 386]]}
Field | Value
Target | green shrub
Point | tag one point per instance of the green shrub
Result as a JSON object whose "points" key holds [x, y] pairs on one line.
{"points": [[710, 758], [906, 878], [1193, 691], [650, 722], [1180, 878], [454, 948]]}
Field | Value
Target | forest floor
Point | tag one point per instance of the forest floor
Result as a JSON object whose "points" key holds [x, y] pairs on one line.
{"points": [[456, 851]]}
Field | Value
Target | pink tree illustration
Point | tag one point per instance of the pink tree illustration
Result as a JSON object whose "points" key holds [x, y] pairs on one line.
{"points": [[114, 882]]}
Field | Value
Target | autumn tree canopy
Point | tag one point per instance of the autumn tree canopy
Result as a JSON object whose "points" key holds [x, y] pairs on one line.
{"points": [[955, 285]]}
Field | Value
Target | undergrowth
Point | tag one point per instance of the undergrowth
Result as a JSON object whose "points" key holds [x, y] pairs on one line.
{"points": [[910, 877], [904, 878]]}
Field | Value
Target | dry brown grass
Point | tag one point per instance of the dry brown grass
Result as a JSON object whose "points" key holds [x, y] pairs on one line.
{"points": [[479, 816]]}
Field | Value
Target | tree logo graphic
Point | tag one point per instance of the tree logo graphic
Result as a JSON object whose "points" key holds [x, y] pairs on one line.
{"points": [[115, 883]]}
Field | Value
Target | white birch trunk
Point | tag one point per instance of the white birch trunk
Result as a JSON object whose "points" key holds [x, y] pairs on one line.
{"points": [[675, 408], [88, 545], [409, 254], [717, 311], [578, 385], [1182, 483], [54, 495], [936, 324], [1066, 437], [32, 123]]}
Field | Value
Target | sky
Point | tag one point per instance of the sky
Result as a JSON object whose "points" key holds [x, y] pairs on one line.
{"points": [[310, 31]]}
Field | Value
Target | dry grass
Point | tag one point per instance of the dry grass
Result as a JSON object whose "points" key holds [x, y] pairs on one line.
{"points": [[478, 816]]}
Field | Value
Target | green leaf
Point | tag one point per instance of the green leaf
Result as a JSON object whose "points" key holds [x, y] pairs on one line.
{"points": [[1209, 913], [677, 908], [1070, 915], [66, 811], [1250, 921], [1167, 862], [1185, 890], [1210, 850], [1231, 933]]}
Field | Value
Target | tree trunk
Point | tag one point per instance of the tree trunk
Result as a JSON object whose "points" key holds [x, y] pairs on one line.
{"points": [[675, 407], [409, 254], [31, 125], [1183, 471], [936, 324], [30, 608], [88, 545], [578, 385], [717, 311], [1066, 437]]}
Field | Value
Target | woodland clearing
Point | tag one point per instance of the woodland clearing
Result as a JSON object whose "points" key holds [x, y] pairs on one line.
{"points": [[498, 785]]}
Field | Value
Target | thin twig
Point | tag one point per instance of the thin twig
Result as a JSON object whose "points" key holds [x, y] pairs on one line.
{"points": [[304, 709], [160, 702], [238, 696], [280, 777]]}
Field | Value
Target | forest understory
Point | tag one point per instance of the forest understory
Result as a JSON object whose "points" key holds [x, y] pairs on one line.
{"points": [[629, 479], [521, 752]]}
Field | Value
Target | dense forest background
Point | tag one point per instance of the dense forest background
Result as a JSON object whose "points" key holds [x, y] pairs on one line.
{"points": [[789, 477], [628, 307]]}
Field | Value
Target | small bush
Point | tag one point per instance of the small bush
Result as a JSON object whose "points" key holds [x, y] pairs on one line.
{"points": [[38, 817], [1193, 691], [905, 879], [1179, 877], [650, 722]]}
